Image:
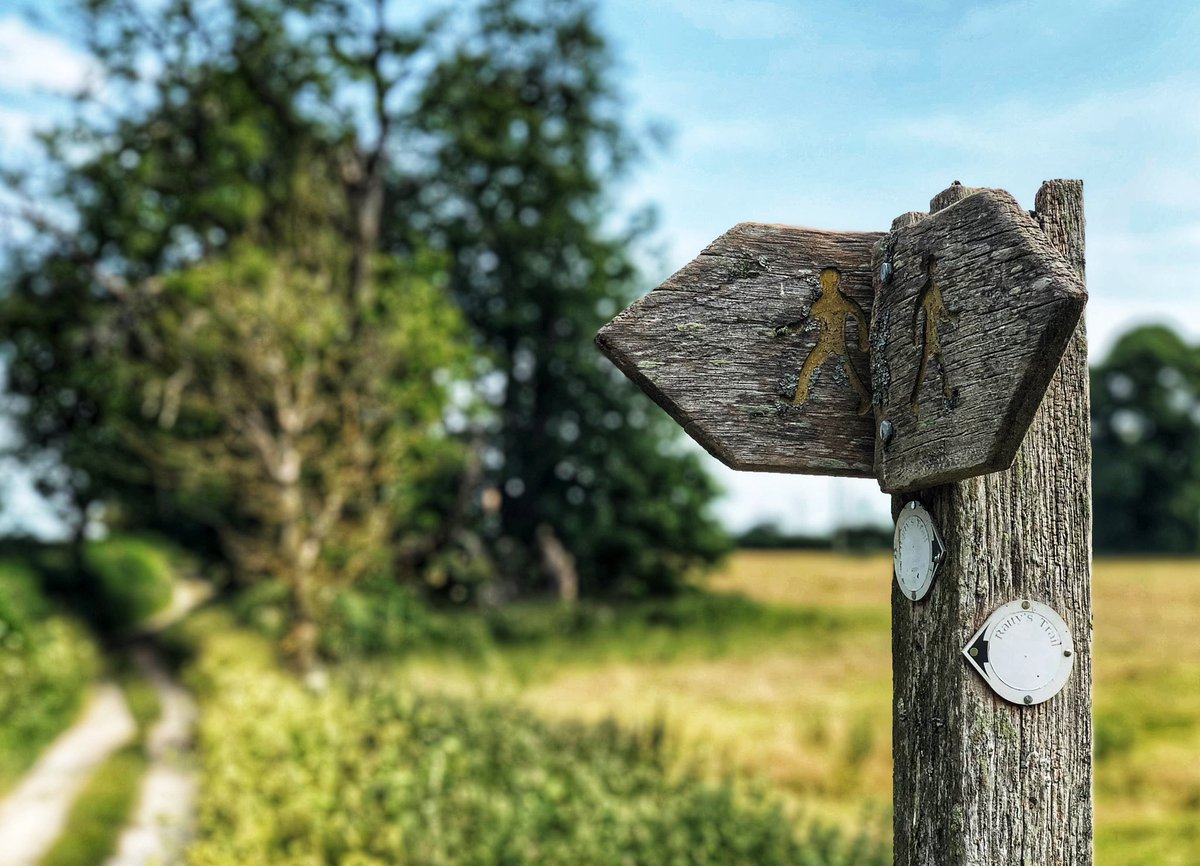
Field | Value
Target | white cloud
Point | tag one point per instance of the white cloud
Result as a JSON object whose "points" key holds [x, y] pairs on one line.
{"points": [[1108, 319], [32, 60], [16, 127], [741, 19], [1100, 126], [1134, 147]]}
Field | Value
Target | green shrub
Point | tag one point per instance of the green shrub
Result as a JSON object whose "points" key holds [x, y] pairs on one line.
{"points": [[367, 772], [375, 618], [133, 576], [46, 663]]}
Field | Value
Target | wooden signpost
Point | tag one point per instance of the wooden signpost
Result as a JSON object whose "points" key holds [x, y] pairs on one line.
{"points": [[946, 358]]}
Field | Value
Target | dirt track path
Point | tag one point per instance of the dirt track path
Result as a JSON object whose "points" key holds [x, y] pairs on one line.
{"points": [[33, 814], [162, 820]]}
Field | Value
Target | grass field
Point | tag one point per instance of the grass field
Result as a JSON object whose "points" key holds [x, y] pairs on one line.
{"points": [[805, 703]]}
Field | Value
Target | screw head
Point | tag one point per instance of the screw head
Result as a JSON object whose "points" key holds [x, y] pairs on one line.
{"points": [[974, 652], [1066, 652], [886, 431], [1029, 699], [1025, 605]]}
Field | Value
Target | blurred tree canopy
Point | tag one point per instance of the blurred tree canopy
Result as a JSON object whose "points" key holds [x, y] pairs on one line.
{"points": [[519, 131], [1146, 440], [316, 289]]}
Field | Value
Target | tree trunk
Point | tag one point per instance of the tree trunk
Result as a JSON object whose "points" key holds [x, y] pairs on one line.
{"points": [[78, 543], [559, 562], [978, 781]]}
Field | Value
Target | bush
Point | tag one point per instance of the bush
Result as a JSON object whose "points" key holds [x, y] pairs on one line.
{"points": [[369, 773], [134, 578], [46, 663], [378, 617]]}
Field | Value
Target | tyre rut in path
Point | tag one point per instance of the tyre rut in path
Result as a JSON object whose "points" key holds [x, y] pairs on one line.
{"points": [[33, 815], [162, 820]]}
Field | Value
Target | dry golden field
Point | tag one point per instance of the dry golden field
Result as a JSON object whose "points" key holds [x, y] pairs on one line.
{"points": [[808, 710]]}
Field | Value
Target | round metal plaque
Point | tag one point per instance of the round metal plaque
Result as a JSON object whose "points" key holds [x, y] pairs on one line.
{"points": [[1023, 651], [917, 550]]}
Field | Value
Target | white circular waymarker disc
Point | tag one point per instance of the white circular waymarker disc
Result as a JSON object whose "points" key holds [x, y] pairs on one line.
{"points": [[917, 551], [1023, 651]]}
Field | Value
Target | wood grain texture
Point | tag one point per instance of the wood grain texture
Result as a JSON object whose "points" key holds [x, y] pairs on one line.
{"points": [[728, 344], [966, 336], [978, 781], [956, 192]]}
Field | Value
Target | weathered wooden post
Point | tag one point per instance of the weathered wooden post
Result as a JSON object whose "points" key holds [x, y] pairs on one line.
{"points": [[978, 780], [946, 358]]}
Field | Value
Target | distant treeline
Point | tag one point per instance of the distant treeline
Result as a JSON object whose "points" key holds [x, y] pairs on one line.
{"points": [[770, 536]]}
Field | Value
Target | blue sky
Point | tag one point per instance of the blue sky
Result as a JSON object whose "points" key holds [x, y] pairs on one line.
{"points": [[843, 115]]}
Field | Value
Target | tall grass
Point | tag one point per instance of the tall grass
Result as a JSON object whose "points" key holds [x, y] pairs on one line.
{"points": [[371, 771]]}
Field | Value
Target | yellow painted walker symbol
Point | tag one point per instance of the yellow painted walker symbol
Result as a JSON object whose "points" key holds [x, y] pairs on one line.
{"points": [[832, 311], [929, 299]]}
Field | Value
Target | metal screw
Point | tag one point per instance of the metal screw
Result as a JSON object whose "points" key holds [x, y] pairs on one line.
{"points": [[1025, 605], [886, 431], [1066, 652], [914, 594], [974, 652], [1029, 699]]}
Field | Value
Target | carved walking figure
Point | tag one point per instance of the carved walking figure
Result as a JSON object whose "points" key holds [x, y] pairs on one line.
{"points": [[929, 299], [831, 311]]}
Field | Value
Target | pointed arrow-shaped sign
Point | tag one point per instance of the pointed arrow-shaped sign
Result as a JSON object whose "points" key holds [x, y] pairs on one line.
{"points": [[773, 345], [759, 349], [968, 331]]}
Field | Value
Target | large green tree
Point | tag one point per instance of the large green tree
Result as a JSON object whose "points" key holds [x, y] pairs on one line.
{"points": [[472, 152], [520, 134], [207, 336], [1146, 441]]}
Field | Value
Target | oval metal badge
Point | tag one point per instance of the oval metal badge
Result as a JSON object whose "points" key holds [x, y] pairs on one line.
{"points": [[1023, 651], [917, 551]]}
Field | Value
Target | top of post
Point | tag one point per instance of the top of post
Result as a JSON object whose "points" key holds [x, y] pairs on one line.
{"points": [[956, 192]]}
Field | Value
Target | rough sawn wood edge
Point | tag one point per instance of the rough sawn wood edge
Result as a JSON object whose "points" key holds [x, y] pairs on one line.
{"points": [[1019, 412]]}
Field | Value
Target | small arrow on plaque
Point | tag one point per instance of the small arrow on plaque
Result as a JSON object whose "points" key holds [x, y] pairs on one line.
{"points": [[1023, 651]]}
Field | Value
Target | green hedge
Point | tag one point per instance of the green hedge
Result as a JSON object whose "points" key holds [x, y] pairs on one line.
{"points": [[378, 617], [134, 577], [367, 773], [46, 664]]}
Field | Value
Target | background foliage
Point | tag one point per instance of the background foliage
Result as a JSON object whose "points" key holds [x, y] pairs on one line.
{"points": [[317, 301], [46, 664], [368, 775], [1146, 441]]}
